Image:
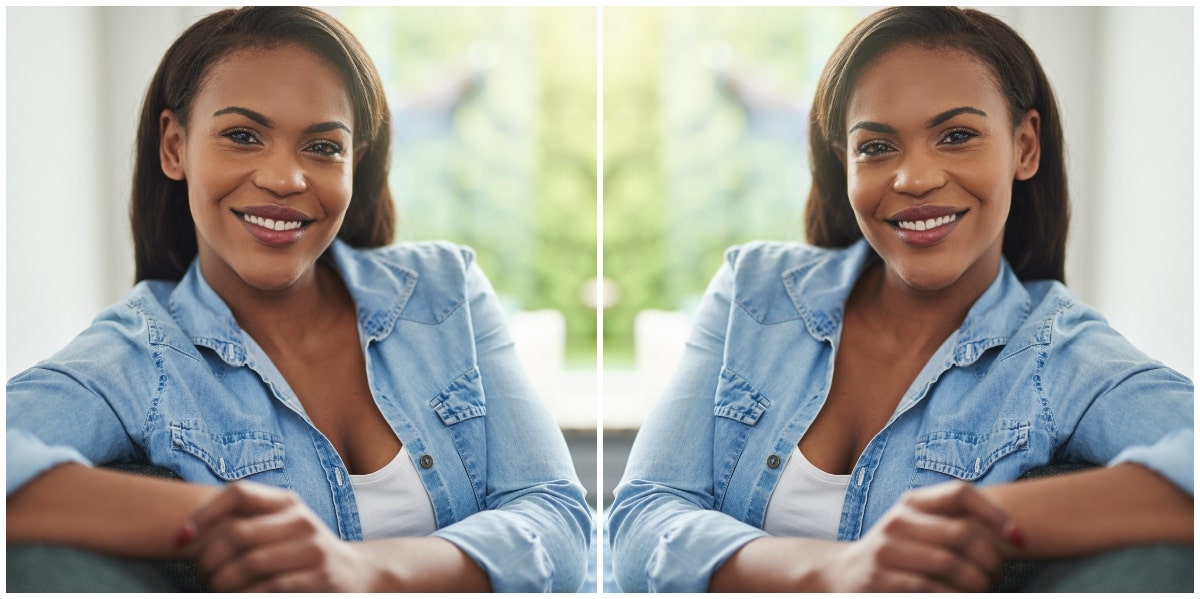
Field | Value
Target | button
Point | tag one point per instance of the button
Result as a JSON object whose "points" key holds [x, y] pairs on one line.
{"points": [[427, 461], [772, 461]]}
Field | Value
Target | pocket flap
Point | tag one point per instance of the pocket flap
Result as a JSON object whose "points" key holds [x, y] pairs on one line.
{"points": [[968, 456], [462, 400], [738, 400], [230, 456]]}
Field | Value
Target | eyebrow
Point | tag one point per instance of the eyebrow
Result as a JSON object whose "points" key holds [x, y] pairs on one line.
{"points": [[953, 112], [266, 122], [940, 118]]}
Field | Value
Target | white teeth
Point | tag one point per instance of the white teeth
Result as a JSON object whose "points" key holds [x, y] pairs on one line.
{"points": [[925, 225], [274, 225]]}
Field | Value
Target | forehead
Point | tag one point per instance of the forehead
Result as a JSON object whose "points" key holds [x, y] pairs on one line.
{"points": [[281, 82], [914, 82]]}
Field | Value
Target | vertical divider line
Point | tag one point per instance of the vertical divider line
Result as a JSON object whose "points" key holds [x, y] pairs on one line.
{"points": [[599, 540]]}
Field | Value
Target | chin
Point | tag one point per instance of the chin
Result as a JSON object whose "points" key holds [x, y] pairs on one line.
{"points": [[270, 280], [925, 278]]}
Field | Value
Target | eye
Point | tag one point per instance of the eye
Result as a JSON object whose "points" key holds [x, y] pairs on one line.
{"points": [[956, 137], [242, 137], [873, 148], [325, 148]]}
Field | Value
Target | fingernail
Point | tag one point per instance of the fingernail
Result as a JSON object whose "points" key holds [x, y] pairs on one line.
{"points": [[1014, 536], [186, 532]]}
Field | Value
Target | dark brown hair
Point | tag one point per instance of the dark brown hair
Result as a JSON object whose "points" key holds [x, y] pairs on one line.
{"points": [[1035, 236], [164, 235]]}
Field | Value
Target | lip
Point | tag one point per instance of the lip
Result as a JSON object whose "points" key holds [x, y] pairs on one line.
{"points": [[272, 237], [928, 237]]}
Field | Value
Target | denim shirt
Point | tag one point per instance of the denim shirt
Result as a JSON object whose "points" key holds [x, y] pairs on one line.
{"points": [[1032, 377], [168, 377]]}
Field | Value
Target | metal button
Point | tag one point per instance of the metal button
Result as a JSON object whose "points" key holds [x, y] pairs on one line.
{"points": [[772, 461], [427, 461]]}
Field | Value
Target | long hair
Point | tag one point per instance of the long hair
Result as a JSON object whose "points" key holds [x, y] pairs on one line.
{"points": [[164, 234], [1035, 236]]}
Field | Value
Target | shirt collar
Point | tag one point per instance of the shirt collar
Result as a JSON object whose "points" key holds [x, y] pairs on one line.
{"points": [[819, 289], [380, 289]]}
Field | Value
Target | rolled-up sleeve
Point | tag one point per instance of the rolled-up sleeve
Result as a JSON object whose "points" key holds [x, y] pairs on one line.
{"points": [[535, 533], [664, 530], [1126, 407], [80, 405]]}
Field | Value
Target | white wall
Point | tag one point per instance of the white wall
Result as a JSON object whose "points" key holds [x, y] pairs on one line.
{"points": [[76, 75], [1124, 78], [75, 81]]}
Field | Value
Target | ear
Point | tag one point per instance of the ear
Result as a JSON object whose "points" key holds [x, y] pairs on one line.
{"points": [[171, 145], [1028, 145]]}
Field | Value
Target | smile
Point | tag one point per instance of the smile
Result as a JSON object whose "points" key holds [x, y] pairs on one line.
{"points": [[925, 225], [274, 225]]}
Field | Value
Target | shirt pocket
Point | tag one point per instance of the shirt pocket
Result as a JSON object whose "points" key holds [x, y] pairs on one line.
{"points": [[460, 406], [970, 456], [228, 456], [738, 406]]}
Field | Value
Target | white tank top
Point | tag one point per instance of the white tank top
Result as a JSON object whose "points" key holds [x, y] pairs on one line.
{"points": [[807, 502], [392, 502]]}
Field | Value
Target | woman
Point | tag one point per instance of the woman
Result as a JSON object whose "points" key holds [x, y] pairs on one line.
{"points": [[851, 416], [314, 388]]}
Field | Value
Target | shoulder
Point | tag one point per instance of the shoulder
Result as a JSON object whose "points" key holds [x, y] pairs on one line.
{"points": [[1078, 339], [426, 259], [422, 281], [774, 256], [120, 343]]}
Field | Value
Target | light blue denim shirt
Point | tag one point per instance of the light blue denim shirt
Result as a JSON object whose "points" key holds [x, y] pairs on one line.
{"points": [[1032, 377], [167, 377]]}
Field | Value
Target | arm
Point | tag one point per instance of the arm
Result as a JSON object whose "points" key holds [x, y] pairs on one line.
{"points": [[1096, 510], [534, 533], [102, 510], [1127, 412], [948, 537], [665, 530], [257, 538], [76, 409]]}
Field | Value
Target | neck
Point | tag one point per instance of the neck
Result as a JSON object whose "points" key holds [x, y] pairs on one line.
{"points": [[898, 313], [292, 317]]}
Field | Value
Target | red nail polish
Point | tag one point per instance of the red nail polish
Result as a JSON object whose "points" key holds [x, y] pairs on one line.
{"points": [[186, 533], [1014, 536]]}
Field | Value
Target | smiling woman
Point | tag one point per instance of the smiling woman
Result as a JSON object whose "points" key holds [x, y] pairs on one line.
{"points": [[854, 415], [346, 415]]}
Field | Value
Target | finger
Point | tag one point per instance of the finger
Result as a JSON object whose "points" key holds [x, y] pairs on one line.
{"points": [[227, 540], [957, 499], [244, 498], [300, 581], [964, 537], [900, 581], [264, 563], [936, 562]]}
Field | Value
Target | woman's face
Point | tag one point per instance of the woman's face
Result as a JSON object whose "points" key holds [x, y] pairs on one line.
{"points": [[268, 158], [931, 156]]}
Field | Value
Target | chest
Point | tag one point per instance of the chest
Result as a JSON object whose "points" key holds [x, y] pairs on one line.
{"points": [[330, 381], [869, 379]]}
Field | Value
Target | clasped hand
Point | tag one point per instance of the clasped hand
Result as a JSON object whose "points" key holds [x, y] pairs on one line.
{"points": [[947, 537], [256, 538]]}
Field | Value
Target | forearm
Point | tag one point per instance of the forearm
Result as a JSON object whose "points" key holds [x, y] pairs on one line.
{"points": [[426, 564], [774, 564], [1096, 510], [103, 510]]}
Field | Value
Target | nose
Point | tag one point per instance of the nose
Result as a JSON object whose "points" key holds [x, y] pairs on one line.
{"points": [[281, 173], [918, 173]]}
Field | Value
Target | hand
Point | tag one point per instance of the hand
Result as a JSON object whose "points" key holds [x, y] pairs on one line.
{"points": [[947, 537], [256, 538]]}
